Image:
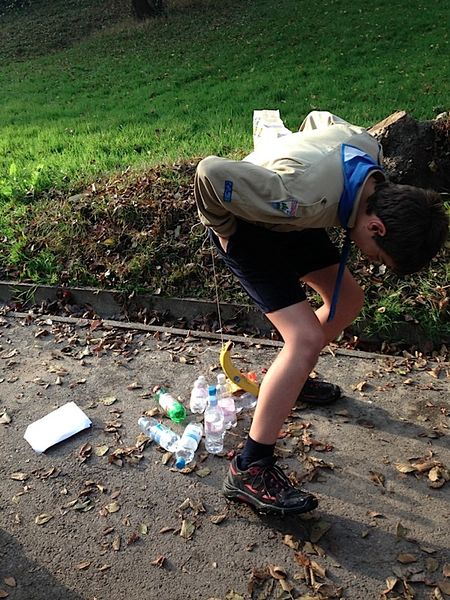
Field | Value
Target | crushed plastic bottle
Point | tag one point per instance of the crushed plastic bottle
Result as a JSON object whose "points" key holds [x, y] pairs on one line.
{"points": [[245, 401], [199, 395], [214, 423], [226, 401], [188, 444], [174, 409], [159, 433]]}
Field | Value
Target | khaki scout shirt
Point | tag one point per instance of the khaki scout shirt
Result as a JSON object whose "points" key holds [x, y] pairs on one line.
{"points": [[294, 183]]}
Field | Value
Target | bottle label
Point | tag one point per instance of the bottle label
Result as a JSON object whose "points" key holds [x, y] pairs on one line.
{"points": [[194, 436], [167, 402], [157, 431], [214, 427]]}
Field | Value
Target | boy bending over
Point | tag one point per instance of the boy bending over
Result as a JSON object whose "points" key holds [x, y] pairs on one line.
{"points": [[267, 217]]}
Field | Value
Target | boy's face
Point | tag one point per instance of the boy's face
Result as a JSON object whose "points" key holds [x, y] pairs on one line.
{"points": [[363, 235]]}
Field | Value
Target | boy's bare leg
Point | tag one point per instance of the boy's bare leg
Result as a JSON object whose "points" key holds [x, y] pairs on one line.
{"points": [[350, 302], [253, 476], [305, 333], [303, 337]]}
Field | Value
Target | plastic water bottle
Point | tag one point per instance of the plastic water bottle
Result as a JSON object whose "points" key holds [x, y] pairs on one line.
{"points": [[159, 433], [199, 395], [214, 423], [245, 401], [226, 401], [188, 444], [174, 409]]}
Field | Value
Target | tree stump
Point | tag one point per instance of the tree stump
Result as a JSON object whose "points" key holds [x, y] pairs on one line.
{"points": [[416, 152]]}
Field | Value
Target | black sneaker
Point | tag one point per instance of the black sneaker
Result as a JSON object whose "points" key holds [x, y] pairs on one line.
{"points": [[266, 487], [319, 393]]}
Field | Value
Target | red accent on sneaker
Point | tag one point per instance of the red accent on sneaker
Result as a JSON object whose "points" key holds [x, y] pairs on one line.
{"points": [[255, 491]]}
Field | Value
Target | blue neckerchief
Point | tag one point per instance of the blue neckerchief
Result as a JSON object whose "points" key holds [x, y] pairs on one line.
{"points": [[356, 165]]}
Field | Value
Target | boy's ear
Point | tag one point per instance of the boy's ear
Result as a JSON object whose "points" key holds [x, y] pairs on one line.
{"points": [[376, 226]]}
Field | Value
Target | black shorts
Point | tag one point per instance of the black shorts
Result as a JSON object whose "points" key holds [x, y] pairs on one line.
{"points": [[269, 264]]}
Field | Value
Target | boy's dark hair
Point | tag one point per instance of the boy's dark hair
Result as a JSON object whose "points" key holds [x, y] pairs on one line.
{"points": [[416, 224]]}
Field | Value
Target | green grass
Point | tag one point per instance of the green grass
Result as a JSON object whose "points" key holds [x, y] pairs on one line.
{"points": [[87, 93], [137, 94]]}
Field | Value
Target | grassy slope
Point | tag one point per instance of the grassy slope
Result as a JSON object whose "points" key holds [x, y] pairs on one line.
{"points": [[132, 94], [85, 90]]}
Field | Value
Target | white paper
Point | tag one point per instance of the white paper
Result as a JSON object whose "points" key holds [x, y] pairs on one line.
{"points": [[57, 426]]}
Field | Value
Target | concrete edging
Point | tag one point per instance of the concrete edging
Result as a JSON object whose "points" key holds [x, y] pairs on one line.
{"points": [[116, 304]]}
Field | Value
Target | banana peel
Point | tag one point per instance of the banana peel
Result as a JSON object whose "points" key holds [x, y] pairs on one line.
{"points": [[239, 380]]}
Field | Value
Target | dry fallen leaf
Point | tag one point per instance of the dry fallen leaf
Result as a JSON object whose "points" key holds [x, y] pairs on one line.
{"points": [[438, 476], [232, 595], [217, 519], [19, 476], [85, 452], [391, 582], [446, 570], [377, 478], [277, 572], [318, 569], [401, 531], [116, 543], [290, 541], [360, 386], [318, 530], [5, 419], [406, 558], [82, 566], [3, 594], [203, 472], [158, 561], [108, 400], [112, 507], [143, 528], [187, 529], [101, 450], [404, 467], [427, 549], [431, 564], [328, 591], [444, 586], [134, 537], [10, 581], [167, 529], [43, 518], [134, 386]]}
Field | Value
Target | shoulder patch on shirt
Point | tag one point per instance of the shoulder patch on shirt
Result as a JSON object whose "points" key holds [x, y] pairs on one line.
{"points": [[288, 207], [227, 191]]}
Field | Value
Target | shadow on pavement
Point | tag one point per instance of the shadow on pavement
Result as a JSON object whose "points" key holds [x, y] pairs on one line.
{"points": [[33, 581]]}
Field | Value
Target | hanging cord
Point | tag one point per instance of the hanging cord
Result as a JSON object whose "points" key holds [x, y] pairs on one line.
{"points": [[216, 287], [217, 291]]}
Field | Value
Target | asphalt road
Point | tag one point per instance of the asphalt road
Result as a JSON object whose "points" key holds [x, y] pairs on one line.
{"points": [[105, 516]]}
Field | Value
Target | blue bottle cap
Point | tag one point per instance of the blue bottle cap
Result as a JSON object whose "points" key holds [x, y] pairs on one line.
{"points": [[180, 463], [212, 397]]}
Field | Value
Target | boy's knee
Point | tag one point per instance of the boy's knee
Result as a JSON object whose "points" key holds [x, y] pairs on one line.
{"points": [[315, 341], [309, 344], [351, 303]]}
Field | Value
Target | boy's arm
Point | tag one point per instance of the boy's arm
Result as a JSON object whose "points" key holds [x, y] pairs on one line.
{"points": [[225, 189]]}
